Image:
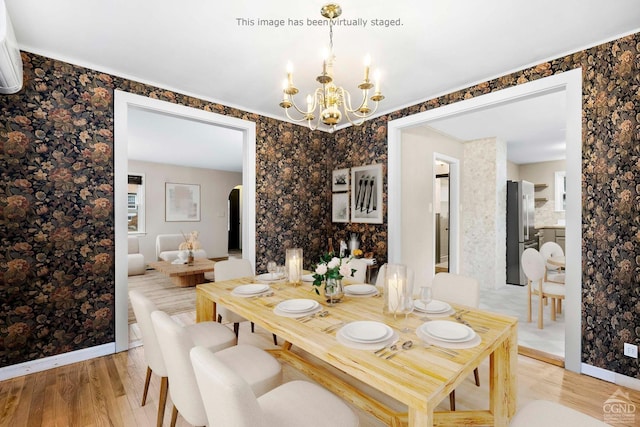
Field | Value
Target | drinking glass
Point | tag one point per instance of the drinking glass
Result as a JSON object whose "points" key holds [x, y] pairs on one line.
{"points": [[425, 296], [407, 309], [271, 268]]}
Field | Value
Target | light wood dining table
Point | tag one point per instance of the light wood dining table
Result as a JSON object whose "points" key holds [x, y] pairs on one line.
{"points": [[420, 377]]}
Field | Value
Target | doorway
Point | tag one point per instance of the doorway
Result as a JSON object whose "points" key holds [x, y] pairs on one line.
{"points": [[235, 242], [441, 197], [123, 101], [570, 83]]}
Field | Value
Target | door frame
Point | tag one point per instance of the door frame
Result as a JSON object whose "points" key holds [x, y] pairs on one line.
{"points": [[454, 209], [122, 102], [571, 83]]}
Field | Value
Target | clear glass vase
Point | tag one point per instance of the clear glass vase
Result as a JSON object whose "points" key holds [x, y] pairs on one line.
{"points": [[333, 290]]}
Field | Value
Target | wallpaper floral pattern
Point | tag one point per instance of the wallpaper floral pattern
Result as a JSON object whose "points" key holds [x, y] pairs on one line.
{"points": [[57, 230], [56, 243]]}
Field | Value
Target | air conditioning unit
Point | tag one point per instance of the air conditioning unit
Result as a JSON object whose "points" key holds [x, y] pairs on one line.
{"points": [[10, 60]]}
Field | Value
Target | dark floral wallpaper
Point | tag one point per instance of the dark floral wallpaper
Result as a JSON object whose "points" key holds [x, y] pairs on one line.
{"points": [[56, 241], [57, 222], [610, 188]]}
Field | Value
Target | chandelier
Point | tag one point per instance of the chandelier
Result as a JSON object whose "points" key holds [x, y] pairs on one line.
{"points": [[329, 99]]}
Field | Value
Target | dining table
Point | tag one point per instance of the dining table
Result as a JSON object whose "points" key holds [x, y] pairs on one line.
{"points": [[419, 377]]}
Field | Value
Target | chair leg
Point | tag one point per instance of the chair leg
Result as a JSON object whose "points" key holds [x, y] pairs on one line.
{"points": [[476, 375], [452, 400], [219, 318], [174, 416], [529, 305], [540, 324], [146, 386], [559, 306], [253, 327], [162, 402], [275, 339], [236, 329], [553, 309]]}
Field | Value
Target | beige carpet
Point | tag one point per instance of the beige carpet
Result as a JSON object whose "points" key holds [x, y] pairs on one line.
{"points": [[167, 296]]}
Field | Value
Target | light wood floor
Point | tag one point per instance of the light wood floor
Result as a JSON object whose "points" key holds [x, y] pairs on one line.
{"points": [[106, 391]]}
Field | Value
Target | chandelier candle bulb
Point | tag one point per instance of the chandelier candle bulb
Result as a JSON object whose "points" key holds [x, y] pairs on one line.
{"points": [[367, 64], [290, 73]]}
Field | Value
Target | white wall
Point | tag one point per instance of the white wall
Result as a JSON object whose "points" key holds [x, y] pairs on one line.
{"points": [[544, 173], [484, 175], [418, 147], [215, 187]]}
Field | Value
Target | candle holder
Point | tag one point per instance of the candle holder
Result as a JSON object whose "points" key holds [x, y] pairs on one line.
{"points": [[293, 265], [397, 292]]}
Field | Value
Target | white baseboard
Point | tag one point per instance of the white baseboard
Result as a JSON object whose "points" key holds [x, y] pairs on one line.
{"points": [[611, 376], [43, 364]]}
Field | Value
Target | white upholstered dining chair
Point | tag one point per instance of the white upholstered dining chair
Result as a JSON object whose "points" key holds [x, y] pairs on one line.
{"points": [[259, 369], [457, 289], [534, 268], [228, 270], [228, 400], [207, 334], [553, 273]]}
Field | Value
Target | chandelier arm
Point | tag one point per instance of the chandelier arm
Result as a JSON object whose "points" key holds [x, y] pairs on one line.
{"points": [[347, 101], [364, 116]]}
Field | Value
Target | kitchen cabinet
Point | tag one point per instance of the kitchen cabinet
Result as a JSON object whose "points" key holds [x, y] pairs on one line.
{"points": [[552, 234]]}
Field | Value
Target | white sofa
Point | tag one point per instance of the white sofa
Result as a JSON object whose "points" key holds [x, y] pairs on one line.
{"points": [[136, 265], [167, 247]]}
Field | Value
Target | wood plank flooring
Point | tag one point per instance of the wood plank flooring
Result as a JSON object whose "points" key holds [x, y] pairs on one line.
{"points": [[107, 391]]}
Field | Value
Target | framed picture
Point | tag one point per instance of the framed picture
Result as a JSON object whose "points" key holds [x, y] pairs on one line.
{"points": [[340, 180], [182, 202], [340, 207], [366, 194]]}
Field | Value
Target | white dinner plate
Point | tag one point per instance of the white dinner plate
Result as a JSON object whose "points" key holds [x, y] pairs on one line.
{"points": [[434, 307], [367, 331], [300, 305], [446, 330], [270, 277], [360, 289], [308, 278], [252, 289]]}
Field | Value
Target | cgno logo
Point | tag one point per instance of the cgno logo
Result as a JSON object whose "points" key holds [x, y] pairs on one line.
{"points": [[618, 408]]}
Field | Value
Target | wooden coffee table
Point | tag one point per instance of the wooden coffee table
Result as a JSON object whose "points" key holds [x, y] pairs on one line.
{"points": [[184, 275]]}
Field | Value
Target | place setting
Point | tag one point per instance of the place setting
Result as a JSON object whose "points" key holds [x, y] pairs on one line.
{"points": [[448, 334], [366, 335], [427, 305], [252, 290], [275, 273], [297, 308], [361, 290]]}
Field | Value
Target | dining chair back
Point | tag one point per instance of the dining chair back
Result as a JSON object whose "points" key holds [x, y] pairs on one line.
{"points": [[456, 288], [534, 268], [229, 401], [142, 308], [175, 344], [228, 270], [553, 272], [360, 275]]}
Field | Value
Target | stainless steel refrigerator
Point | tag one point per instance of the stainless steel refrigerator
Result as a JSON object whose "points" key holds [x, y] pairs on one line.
{"points": [[521, 232]]}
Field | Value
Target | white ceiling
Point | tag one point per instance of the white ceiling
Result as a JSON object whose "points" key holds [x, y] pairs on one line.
{"points": [[163, 138], [202, 48]]}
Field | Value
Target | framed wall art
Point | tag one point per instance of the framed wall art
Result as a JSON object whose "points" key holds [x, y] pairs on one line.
{"points": [[340, 180], [366, 194], [182, 202], [340, 207]]}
